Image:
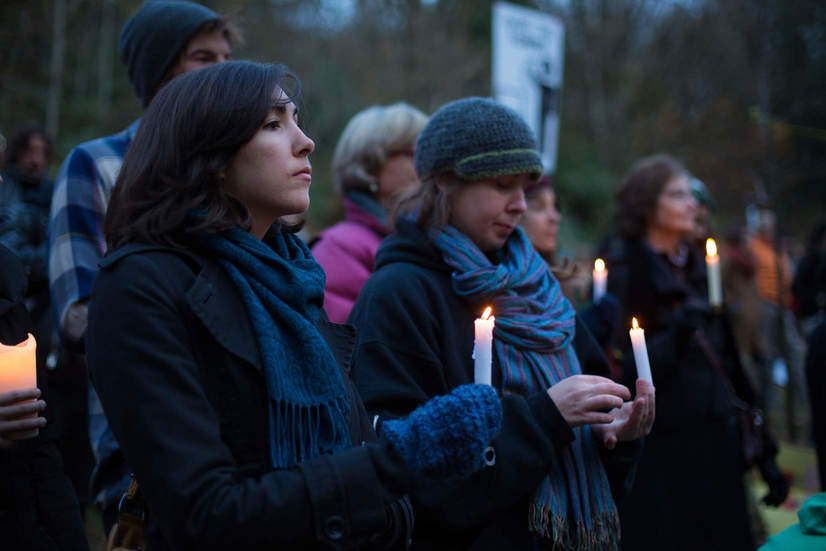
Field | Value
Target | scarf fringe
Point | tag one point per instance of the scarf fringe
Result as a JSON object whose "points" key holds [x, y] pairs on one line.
{"points": [[299, 430], [599, 533], [282, 289]]}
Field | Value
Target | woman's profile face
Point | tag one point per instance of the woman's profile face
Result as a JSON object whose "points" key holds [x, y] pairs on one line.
{"points": [[676, 207], [487, 211], [271, 174], [541, 220]]}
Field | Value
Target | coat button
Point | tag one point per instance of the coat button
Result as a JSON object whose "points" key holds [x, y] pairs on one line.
{"points": [[334, 527]]}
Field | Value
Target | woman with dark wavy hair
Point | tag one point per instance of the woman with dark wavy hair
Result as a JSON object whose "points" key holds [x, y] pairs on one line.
{"points": [[224, 383], [689, 491]]}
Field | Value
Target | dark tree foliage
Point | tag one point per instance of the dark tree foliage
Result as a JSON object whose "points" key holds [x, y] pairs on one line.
{"points": [[736, 89]]}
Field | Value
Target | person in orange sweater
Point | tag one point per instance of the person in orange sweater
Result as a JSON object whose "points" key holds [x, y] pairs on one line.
{"points": [[773, 275]]}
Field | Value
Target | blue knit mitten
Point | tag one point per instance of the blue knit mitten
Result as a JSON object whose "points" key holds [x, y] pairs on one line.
{"points": [[447, 436]]}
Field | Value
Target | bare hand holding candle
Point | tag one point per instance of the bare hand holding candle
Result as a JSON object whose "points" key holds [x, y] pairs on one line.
{"points": [[600, 279], [640, 351], [483, 347], [18, 382], [715, 289]]}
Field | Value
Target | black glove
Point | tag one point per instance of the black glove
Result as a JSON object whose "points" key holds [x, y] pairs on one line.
{"points": [[778, 484], [692, 315]]}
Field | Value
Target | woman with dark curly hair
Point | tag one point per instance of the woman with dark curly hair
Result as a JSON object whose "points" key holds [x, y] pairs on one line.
{"points": [[689, 491]]}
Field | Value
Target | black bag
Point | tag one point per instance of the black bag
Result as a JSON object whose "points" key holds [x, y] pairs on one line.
{"points": [[750, 418], [751, 432]]}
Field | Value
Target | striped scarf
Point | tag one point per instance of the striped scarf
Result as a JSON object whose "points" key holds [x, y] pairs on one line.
{"points": [[282, 289], [572, 507]]}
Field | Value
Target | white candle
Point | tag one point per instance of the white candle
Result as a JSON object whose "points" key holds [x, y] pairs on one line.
{"points": [[715, 288], [640, 351], [18, 372], [600, 278], [483, 347]]}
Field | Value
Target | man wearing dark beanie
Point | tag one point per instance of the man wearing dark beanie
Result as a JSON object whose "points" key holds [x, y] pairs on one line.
{"points": [[162, 40]]}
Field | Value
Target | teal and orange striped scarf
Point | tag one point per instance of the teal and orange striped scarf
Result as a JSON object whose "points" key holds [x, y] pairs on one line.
{"points": [[533, 335]]}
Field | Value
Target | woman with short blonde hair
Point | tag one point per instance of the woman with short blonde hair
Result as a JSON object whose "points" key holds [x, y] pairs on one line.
{"points": [[372, 167]]}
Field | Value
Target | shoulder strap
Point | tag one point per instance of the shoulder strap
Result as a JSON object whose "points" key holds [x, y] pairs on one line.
{"points": [[717, 364]]}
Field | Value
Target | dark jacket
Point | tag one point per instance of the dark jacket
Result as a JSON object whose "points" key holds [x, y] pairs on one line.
{"points": [[809, 285], [174, 359], [688, 493], [415, 342], [38, 507], [809, 288], [24, 220]]}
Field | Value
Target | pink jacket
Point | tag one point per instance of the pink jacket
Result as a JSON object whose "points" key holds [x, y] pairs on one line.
{"points": [[347, 252]]}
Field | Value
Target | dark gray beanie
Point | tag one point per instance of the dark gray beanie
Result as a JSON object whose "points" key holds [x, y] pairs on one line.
{"points": [[476, 139], [152, 39]]}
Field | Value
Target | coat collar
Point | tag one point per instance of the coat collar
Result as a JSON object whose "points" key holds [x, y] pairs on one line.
{"points": [[661, 278], [213, 298], [215, 301], [359, 215]]}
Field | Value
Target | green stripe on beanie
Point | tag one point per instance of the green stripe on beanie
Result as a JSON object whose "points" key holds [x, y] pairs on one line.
{"points": [[476, 139]]}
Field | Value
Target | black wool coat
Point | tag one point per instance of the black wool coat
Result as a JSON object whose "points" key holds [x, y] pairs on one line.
{"points": [[173, 356], [689, 491], [415, 342], [38, 506]]}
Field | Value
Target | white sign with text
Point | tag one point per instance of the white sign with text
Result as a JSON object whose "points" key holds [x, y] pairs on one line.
{"points": [[528, 52]]}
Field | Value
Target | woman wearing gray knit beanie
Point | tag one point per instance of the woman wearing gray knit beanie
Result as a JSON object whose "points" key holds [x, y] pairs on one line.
{"points": [[569, 440]]}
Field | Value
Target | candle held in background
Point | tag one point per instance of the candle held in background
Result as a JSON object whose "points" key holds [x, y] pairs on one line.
{"points": [[640, 351], [715, 288], [600, 279]]}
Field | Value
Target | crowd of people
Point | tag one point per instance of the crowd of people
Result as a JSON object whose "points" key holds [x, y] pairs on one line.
{"points": [[208, 379]]}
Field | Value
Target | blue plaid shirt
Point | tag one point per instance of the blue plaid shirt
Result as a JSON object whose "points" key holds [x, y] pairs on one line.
{"points": [[76, 245]]}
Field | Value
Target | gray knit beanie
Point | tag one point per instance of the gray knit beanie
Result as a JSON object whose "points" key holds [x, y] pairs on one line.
{"points": [[476, 139], [152, 39]]}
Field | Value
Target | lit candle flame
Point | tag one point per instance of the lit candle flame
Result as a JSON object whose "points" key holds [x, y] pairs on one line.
{"points": [[634, 324], [599, 264], [486, 314], [711, 247]]}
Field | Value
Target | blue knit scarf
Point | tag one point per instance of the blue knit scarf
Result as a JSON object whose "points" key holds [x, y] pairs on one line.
{"points": [[282, 288], [572, 507]]}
